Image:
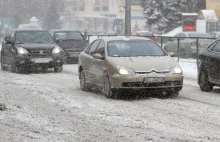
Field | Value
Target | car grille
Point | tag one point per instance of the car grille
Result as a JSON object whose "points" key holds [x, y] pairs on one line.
{"points": [[141, 84], [41, 52]]}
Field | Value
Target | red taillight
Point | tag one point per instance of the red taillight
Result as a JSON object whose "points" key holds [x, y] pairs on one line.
{"points": [[194, 44], [153, 38], [137, 34]]}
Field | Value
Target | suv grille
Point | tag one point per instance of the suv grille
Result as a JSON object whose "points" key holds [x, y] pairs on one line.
{"points": [[41, 52]]}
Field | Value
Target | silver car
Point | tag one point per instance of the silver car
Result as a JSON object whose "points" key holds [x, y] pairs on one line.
{"points": [[187, 43]]}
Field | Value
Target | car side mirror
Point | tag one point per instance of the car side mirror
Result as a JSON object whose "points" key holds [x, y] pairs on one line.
{"points": [[170, 39], [8, 42], [98, 56], [171, 54]]}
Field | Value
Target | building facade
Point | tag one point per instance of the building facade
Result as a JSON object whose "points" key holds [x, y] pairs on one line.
{"points": [[100, 16]]}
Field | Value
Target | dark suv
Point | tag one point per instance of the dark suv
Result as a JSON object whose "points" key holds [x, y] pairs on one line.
{"points": [[24, 49], [72, 42], [209, 67]]}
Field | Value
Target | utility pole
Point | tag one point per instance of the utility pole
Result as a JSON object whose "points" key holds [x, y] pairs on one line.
{"points": [[127, 17]]}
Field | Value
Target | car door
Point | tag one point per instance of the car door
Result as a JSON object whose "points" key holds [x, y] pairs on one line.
{"points": [[99, 64], [88, 62], [215, 63], [172, 45]]}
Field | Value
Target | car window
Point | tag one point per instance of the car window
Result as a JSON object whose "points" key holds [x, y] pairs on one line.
{"points": [[134, 48], [216, 47], [101, 48], [93, 47]]}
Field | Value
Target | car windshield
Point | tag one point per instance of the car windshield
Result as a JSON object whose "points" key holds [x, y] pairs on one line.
{"points": [[33, 37], [68, 35], [200, 35], [134, 48]]}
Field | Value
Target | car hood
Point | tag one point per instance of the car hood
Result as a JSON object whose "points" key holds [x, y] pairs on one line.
{"points": [[145, 64], [36, 46]]}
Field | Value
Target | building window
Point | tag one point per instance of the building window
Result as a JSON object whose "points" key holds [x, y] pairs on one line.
{"points": [[74, 5], [81, 5], [97, 5], [105, 5]]}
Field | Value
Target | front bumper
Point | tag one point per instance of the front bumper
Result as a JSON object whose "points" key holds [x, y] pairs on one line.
{"points": [[172, 81], [39, 61], [73, 55]]}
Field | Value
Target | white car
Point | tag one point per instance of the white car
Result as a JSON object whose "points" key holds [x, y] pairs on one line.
{"points": [[187, 43]]}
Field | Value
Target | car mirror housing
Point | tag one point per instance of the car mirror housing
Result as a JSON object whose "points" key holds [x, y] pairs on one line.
{"points": [[171, 54], [98, 56]]}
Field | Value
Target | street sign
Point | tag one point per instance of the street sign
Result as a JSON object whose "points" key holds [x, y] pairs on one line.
{"points": [[7, 23], [117, 21]]}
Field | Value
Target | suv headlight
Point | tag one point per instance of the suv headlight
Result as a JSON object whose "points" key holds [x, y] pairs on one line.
{"points": [[176, 70], [125, 71], [57, 50], [22, 51]]}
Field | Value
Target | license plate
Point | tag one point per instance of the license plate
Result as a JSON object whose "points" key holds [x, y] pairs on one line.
{"points": [[42, 60], [74, 55], [154, 80]]}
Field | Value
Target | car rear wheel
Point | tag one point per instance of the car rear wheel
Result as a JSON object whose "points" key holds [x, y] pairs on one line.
{"points": [[83, 84], [204, 83], [58, 69], [107, 90], [182, 53]]}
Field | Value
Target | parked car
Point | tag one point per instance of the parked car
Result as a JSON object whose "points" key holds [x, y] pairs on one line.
{"points": [[24, 49], [72, 42], [215, 34], [124, 63], [209, 66], [187, 43], [146, 34]]}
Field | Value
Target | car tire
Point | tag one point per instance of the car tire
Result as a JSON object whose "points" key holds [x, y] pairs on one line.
{"points": [[58, 69], [107, 90], [172, 94], [83, 85], [2, 66], [204, 83], [13, 66], [182, 53]]}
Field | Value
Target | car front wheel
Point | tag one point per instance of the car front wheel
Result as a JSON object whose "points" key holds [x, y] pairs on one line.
{"points": [[83, 84], [107, 90], [58, 69], [204, 83]]}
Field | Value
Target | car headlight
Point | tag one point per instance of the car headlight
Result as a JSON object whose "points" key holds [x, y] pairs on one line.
{"points": [[125, 71], [57, 50], [176, 70], [22, 51]]}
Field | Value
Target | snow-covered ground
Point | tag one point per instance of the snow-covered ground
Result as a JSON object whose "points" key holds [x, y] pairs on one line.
{"points": [[51, 107]]}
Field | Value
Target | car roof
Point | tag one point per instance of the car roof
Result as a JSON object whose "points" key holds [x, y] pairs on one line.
{"points": [[123, 38], [30, 29], [63, 30]]}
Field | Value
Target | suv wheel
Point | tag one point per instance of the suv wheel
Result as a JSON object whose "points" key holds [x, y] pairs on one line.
{"points": [[107, 90], [58, 69], [204, 83], [13, 66], [172, 94], [2, 66]]}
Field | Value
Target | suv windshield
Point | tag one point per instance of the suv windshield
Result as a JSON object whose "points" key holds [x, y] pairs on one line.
{"points": [[134, 48], [33, 37], [68, 35]]}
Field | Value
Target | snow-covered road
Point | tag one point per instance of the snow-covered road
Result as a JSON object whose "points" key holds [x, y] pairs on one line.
{"points": [[51, 107]]}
